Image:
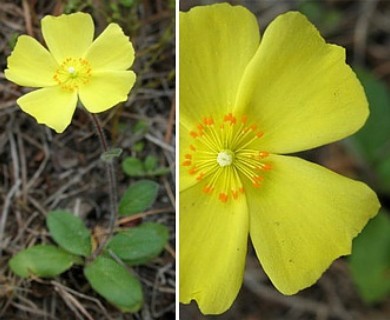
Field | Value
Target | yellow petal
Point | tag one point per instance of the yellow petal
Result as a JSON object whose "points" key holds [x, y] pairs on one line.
{"points": [[51, 106], [68, 36], [112, 50], [30, 64], [216, 44], [303, 218], [213, 242], [106, 89], [299, 88]]}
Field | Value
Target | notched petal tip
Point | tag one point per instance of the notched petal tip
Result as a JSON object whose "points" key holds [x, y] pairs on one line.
{"points": [[106, 89], [30, 64], [212, 63], [309, 97], [68, 35], [220, 237], [50, 106], [298, 242], [112, 50]]}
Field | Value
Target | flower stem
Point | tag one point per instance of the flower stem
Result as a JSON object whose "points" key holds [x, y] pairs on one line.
{"points": [[112, 186]]}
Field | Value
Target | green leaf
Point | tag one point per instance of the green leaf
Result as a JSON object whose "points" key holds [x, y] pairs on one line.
{"points": [[139, 146], [127, 3], [140, 128], [383, 172], [42, 261], [374, 136], [372, 141], [140, 244], [370, 259], [150, 163], [69, 232], [115, 283], [325, 18], [111, 154], [138, 197], [133, 167], [160, 171]]}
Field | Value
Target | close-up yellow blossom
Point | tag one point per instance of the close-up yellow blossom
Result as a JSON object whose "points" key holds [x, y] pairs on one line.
{"points": [[73, 67], [245, 102]]}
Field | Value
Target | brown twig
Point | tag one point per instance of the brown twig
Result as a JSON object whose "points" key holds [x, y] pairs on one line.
{"points": [[321, 310], [27, 18], [367, 9], [144, 214]]}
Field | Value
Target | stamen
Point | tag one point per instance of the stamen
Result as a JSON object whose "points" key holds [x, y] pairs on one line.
{"points": [[73, 73], [223, 154]]}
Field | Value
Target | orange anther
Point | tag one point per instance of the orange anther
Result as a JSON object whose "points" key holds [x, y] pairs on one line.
{"points": [[263, 154], [256, 184], [235, 194], [192, 148], [258, 178], [208, 121], [200, 127], [266, 167], [193, 134], [207, 189], [253, 127], [230, 118], [188, 156], [186, 163], [223, 197], [244, 119], [241, 189], [200, 176], [259, 134], [193, 170]]}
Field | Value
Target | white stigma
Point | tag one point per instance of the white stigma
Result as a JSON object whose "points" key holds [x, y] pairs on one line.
{"points": [[71, 70], [225, 158]]}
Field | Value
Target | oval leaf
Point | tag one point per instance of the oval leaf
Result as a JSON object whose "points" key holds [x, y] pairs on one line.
{"points": [[150, 163], [140, 244], [370, 259], [133, 167], [42, 261], [115, 283], [138, 197], [111, 154], [160, 171], [69, 232]]}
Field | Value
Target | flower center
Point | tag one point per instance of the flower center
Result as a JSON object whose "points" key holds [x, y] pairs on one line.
{"points": [[73, 73], [225, 158], [224, 154]]}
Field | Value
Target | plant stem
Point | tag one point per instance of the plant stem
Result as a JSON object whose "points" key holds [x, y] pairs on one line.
{"points": [[112, 186]]}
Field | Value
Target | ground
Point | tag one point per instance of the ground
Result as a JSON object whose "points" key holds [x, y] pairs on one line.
{"points": [[42, 171]]}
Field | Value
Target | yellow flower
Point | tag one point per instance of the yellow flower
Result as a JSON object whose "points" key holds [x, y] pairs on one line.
{"points": [[74, 67], [244, 102]]}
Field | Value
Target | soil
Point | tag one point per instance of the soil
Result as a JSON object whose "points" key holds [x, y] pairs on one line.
{"points": [[42, 171]]}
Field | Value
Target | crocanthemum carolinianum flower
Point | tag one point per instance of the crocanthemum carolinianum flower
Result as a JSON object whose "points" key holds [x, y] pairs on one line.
{"points": [[74, 67], [244, 102]]}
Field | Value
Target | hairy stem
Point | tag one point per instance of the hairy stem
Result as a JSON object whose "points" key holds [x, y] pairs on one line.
{"points": [[112, 186]]}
